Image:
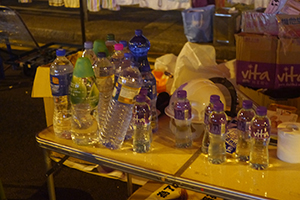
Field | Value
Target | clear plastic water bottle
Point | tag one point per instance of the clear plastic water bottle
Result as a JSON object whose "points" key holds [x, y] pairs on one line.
{"points": [[260, 139], [118, 56], [208, 110], [110, 43], [129, 133], [217, 132], [142, 130], [244, 117], [119, 112], [139, 46], [183, 120], [125, 46], [84, 96], [104, 71], [88, 52], [126, 62], [61, 71]]}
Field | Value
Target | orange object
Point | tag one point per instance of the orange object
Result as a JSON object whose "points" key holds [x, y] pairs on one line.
{"points": [[161, 80]]}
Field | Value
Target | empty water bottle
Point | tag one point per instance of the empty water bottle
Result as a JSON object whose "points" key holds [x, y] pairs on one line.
{"points": [[104, 72], [244, 117], [260, 139], [61, 71], [119, 113], [183, 120], [217, 133], [84, 96], [88, 52], [141, 125], [208, 110]]}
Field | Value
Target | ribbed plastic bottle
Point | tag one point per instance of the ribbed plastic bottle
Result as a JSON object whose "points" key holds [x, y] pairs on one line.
{"points": [[110, 43], [84, 97], [208, 110], [104, 71], [61, 71], [260, 139], [217, 131], [244, 117], [125, 46], [142, 130], [139, 46], [129, 134], [126, 62], [119, 113], [88, 52], [183, 120]]}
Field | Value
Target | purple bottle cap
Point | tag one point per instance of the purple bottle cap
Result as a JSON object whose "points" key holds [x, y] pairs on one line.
{"points": [[181, 94], [218, 106], [118, 47], [88, 45], [138, 32], [60, 52], [214, 98], [247, 104], [144, 91], [140, 98], [261, 110], [128, 55], [124, 42], [101, 55]]}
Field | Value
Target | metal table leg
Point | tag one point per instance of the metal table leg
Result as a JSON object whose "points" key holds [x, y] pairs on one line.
{"points": [[50, 180], [129, 184]]}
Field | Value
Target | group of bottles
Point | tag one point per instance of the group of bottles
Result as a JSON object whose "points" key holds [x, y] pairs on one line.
{"points": [[110, 91], [253, 134]]}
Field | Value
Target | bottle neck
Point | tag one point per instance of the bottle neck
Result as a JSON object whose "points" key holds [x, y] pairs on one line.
{"points": [[144, 64]]}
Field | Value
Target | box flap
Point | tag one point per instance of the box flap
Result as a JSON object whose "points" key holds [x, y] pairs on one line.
{"points": [[41, 85]]}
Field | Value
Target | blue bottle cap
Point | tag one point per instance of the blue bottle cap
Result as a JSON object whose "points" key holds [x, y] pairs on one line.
{"points": [[140, 98], [214, 98], [88, 45], [60, 52], [247, 104], [128, 55], [101, 55], [124, 42], [218, 106], [138, 32], [144, 91], [261, 110], [181, 94]]}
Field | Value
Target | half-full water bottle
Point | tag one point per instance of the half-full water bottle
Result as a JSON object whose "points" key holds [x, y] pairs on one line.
{"points": [[110, 43], [129, 134], [260, 139], [183, 120], [244, 117], [208, 110], [119, 112], [139, 46], [126, 62], [125, 46], [104, 71], [217, 133], [88, 52], [61, 71], [142, 130], [84, 96]]}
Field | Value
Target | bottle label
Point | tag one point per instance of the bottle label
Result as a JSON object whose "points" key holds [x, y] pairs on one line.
{"points": [[243, 126], [231, 141], [125, 94], [182, 114], [260, 133], [60, 84], [217, 129]]}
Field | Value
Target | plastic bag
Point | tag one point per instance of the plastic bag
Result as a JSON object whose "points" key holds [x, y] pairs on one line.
{"points": [[198, 23]]}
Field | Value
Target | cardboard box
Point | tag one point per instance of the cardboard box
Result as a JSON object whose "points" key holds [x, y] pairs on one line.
{"points": [[256, 60]]}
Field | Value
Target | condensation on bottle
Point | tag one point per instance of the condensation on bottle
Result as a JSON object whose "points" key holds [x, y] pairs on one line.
{"points": [[89, 52], [142, 130], [61, 71], [208, 110], [244, 117], [104, 71], [260, 139], [119, 113], [217, 132], [183, 120]]}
